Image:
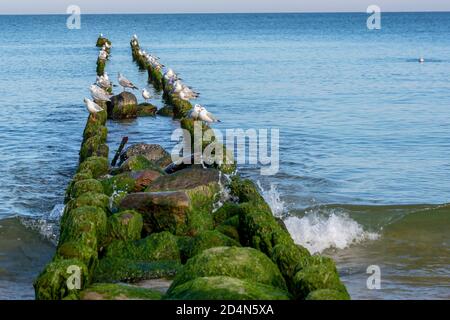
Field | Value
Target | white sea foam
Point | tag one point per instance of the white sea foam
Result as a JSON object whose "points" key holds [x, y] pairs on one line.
{"points": [[273, 199], [318, 231], [47, 225]]}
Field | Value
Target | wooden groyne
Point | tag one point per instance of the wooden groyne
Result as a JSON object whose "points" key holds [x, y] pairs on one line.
{"points": [[148, 229]]}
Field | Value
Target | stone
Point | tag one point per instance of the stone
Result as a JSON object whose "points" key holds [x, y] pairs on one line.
{"points": [[144, 178], [166, 111], [146, 110], [123, 106], [125, 225], [139, 163], [225, 288], [242, 263], [209, 239], [152, 152], [97, 166], [86, 186], [327, 294], [89, 199]]}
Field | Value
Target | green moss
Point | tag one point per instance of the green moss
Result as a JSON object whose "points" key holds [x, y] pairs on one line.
{"points": [[156, 247], [51, 284], [86, 186], [96, 129], [98, 166], [230, 228], [327, 294], [93, 146], [125, 225], [242, 263], [166, 111], [77, 177], [112, 269], [100, 67], [119, 183], [78, 250], [155, 77], [89, 199], [146, 110], [246, 191], [225, 288], [101, 41], [181, 108], [209, 239], [86, 225], [128, 111], [228, 210], [137, 163], [110, 291], [317, 273]]}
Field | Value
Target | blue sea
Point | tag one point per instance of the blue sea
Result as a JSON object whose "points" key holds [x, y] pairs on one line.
{"points": [[364, 129]]}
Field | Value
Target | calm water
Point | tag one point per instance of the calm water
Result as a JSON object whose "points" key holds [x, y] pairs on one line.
{"points": [[364, 129]]}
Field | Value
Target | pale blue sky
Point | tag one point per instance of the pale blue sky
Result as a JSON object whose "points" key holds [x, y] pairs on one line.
{"points": [[178, 6]]}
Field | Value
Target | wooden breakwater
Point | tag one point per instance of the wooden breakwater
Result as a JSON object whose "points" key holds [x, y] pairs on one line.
{"points": [[140, 231]]}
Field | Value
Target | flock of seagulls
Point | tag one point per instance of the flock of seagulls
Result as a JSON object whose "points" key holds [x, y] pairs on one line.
{"points": [[99, 90]]}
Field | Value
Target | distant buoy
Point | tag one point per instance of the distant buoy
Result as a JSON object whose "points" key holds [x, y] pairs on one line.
{"points": [[421, 60]]}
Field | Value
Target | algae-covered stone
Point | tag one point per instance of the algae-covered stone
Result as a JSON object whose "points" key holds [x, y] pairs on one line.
{"points": [[51, 284], [87, 174], [101, 41], [125, 225], [156, 247], [86, 186], [92, 130], [80, 251], [112, 269], [85, 224], [113, 291], [186, 179], [118, 183], [146, 110], [209, 239], [242, 263], [225, 288], [138, 163], [144, 178], [318, 272], [327, 294], [152, 152], [123, 106], [181, 107], [93, 146], [100, 66], [230, 228], [89, 199], [98, 166], [166, 111], [245, 190], [226, 211]]}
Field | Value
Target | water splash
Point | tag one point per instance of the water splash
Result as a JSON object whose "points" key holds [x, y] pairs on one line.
{"points": [[47, 225], [273, 198], [318, 231]]}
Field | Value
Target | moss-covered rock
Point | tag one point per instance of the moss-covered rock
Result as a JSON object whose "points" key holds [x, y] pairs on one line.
{"points": [[317, 273], [87, 225], [181, 108], [112, 291], [123, 106], [242, 263], [86, 186], [89, 199], [112, 269], [327, 294], [225, 288], [125, 225], [155, 76], [144, 178], [230, 228], [101, 64], [156, 247], [97, 129], [80, 251], [118, 184], [51, 284], [93, 146], [245, 190], [209, 239], [138, 163], [152, 152], [101, 41], [226, 211], [98, 166], [87, 174], [146, 110], [166, 111]]}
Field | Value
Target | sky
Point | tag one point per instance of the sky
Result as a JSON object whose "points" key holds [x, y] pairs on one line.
{"points": [[216, 6]]}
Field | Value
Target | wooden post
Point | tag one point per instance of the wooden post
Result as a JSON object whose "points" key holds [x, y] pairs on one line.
{"points": [[116, 156]]}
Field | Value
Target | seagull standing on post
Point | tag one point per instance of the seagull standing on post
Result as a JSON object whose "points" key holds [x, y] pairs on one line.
{"points": [[92, 107], [125, 83], [146, 95]]}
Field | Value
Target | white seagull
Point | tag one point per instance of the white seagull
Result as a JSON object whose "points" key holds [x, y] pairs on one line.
{"points": [[103, 82], [195, 112], [92, 107], [125, 83], [206, 116], [146, 95], [99, 94]]}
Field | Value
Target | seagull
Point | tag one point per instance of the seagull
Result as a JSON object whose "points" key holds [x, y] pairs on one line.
{"points": [[99, 94], [195, 112], [92, 107], [186, 94], [101, 35], [125, 83], [421, 60], [206, 116], [103, 55], [146, 95], [103, 82], [135, 37]]}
